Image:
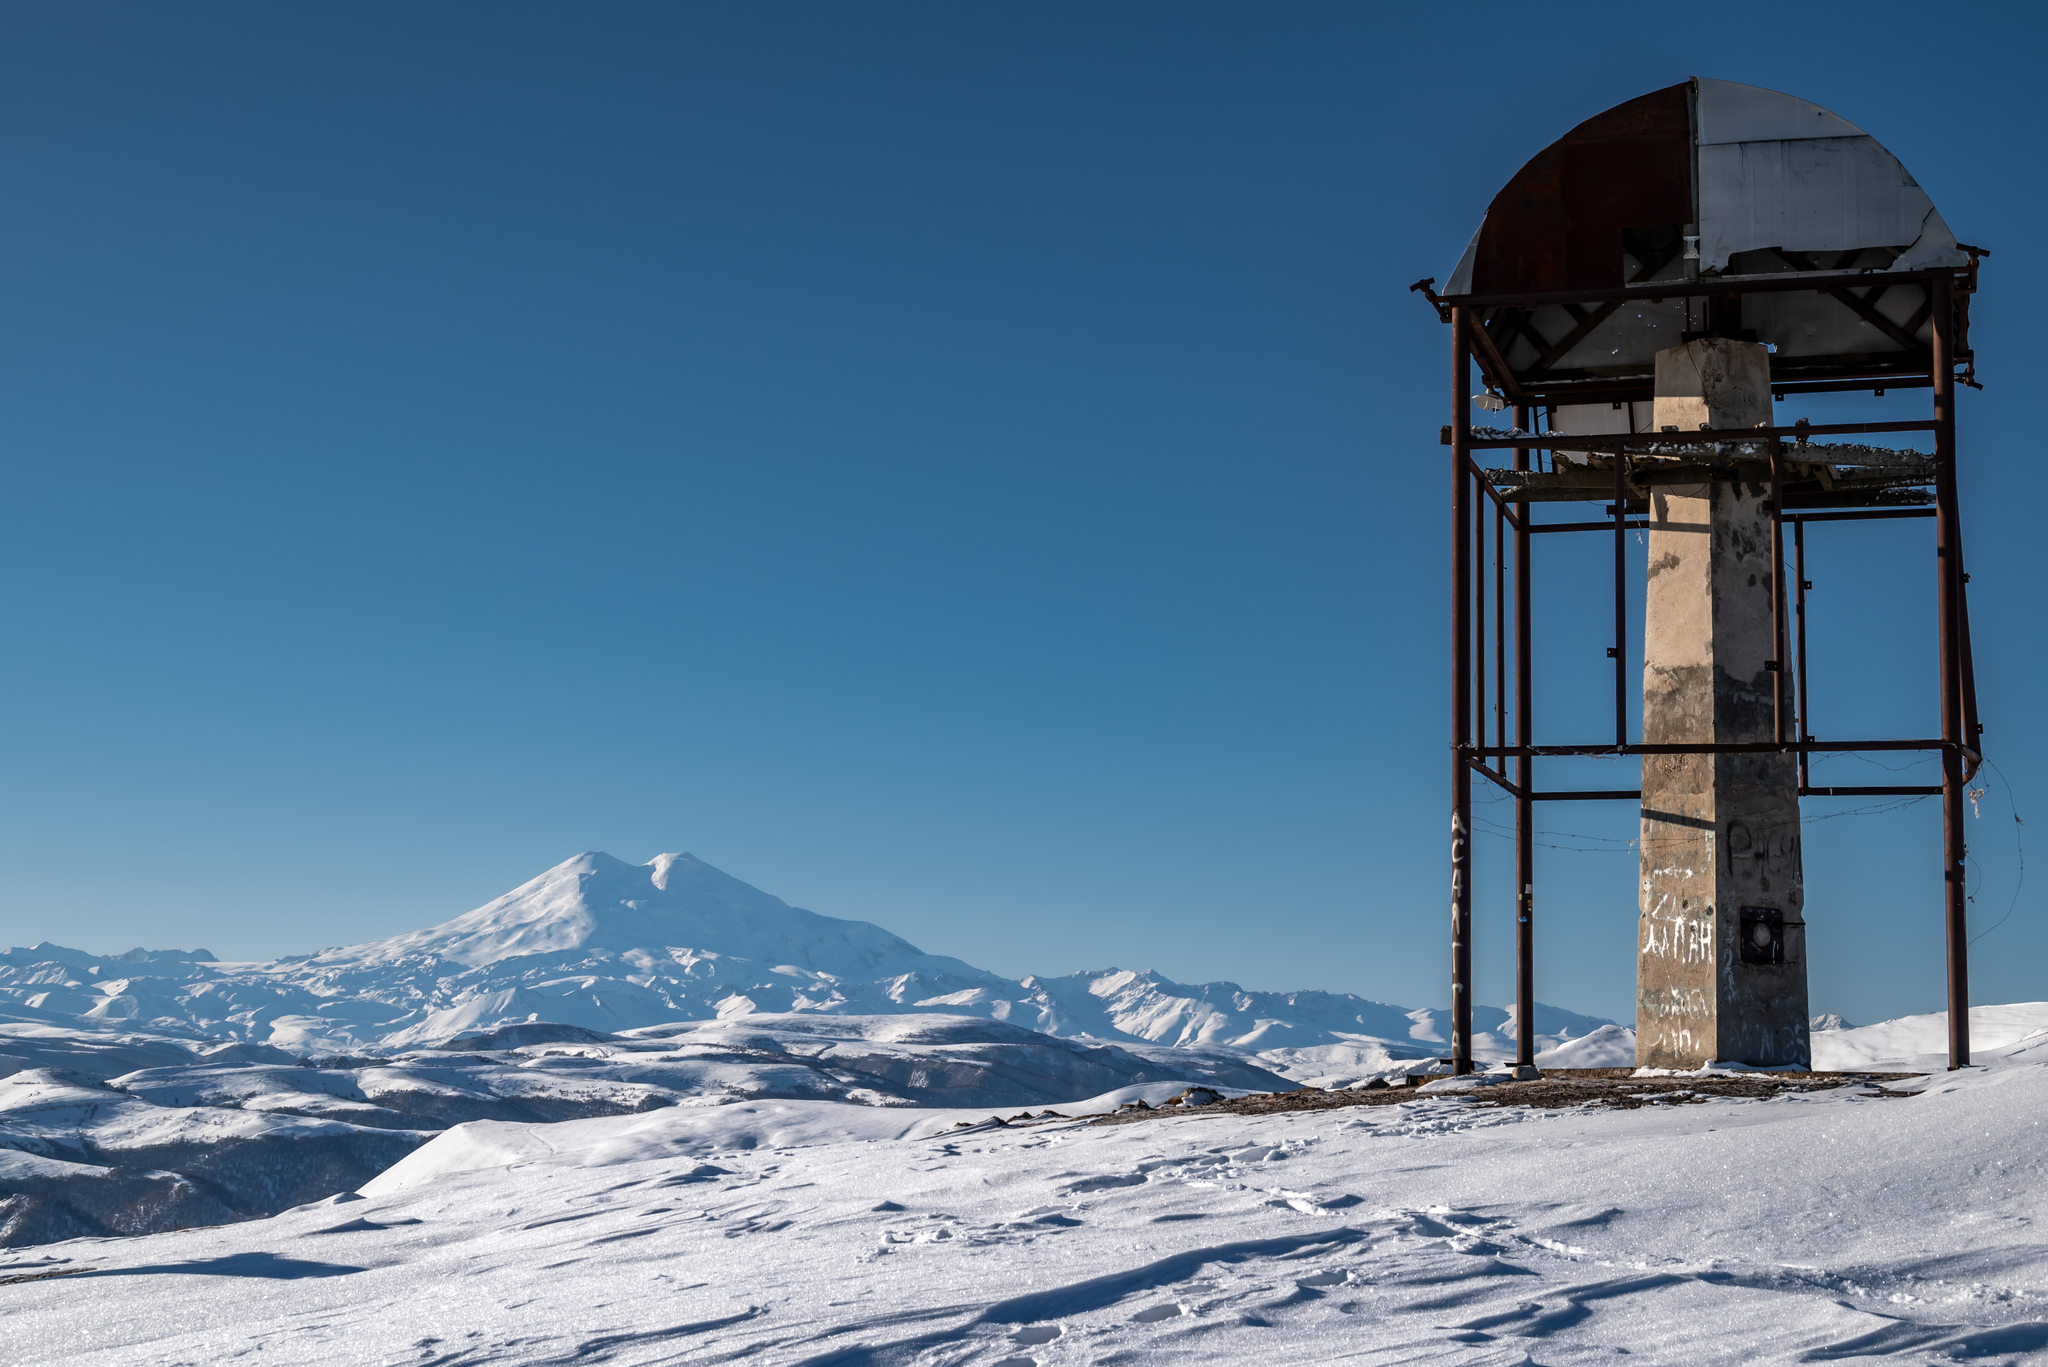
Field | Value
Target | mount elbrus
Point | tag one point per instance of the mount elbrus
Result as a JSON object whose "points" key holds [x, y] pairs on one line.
{"points": [[603, 945], [162, 1089]]}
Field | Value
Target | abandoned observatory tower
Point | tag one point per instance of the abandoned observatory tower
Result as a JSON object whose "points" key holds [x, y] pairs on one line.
{"points": [[1648, 294]]}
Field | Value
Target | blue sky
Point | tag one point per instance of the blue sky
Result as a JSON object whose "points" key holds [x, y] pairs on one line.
{"points": [[970, 468]]}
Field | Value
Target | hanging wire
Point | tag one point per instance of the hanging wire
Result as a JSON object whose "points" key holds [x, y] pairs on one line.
{"points": [[2019, 847]]}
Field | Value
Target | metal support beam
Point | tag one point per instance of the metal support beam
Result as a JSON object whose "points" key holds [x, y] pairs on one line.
{"points": [[1505, 785], [1746, 747], [1626, 439], [1604, 524], [1778, 282], [1620, 597], [1525, 778], [1859, 515], [1461, 695], [1948, 558], [1479, 618], [1778, 593], [1800, 586], [1500, 629], [1491, 363]]}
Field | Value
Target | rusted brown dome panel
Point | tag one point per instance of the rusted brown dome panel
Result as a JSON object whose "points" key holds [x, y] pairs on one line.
{"points": [[1558, 224], [1613, 244]]}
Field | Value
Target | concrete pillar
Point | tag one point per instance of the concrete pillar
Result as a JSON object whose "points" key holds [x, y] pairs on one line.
{"points": [[1721, 944]]}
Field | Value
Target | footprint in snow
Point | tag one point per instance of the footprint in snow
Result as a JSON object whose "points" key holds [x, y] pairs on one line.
{"points": [[703, 1172], [1320, 1280], [1035, 1334], [355, 1226], [1055, 1216], [931, 1233], [1170, 1311]]}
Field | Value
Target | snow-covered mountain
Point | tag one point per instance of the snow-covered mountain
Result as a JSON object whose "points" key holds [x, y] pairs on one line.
{"points": [[608, 946], [594, 902]]}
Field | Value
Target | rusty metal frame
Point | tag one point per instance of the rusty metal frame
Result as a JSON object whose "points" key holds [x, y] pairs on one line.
{"points": [[1960, 732]]}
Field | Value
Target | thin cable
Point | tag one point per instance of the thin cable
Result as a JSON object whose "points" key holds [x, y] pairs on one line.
{"points": [[2019, 847]]}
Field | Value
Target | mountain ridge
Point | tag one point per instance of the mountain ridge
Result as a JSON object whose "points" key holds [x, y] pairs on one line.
{"points": [[598, 944]]}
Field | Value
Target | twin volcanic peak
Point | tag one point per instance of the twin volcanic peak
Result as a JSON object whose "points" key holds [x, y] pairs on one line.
{"points": [[602, 945], [595, 902]]}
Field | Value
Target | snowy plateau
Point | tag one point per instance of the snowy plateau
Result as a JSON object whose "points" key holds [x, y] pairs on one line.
{"points": [[650, 1114]]}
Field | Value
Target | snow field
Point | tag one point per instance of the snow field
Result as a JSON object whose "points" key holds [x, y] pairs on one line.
{"points": [[1826, 1227]]}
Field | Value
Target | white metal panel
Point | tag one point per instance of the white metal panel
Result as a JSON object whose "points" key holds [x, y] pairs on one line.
{"points": [[1936, 247], [1600, 419], [1778, 171], [1461, 276], [1593, 420], [1808, 194], [1806, 325], [1628, 338], [1730, 112]]}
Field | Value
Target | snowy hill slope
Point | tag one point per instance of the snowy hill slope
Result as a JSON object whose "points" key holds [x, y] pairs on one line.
{"points": [[216, 1138], [1916, 1043], [79, 1158]]}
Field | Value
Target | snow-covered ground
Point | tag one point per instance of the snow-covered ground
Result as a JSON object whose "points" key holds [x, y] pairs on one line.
{"points": [[218, 1138], [1831, 1226]]}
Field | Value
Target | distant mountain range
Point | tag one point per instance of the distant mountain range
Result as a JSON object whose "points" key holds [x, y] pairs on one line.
{"points": [[608, 946], [160, 1089]]}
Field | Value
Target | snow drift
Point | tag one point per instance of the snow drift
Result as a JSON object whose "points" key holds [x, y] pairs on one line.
{"points": [[1836, 1226]]}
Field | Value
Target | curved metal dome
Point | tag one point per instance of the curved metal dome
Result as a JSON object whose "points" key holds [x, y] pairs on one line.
{"points": [[1702, 182]]}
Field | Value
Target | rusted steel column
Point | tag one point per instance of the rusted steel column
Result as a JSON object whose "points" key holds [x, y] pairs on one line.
{"points": [[1620, 597], [1778, 590], [1500, 625], [1973, 730], [1799, 624], [1948, 561], [1461, 696], [1525, 806], [1479, 502]]}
